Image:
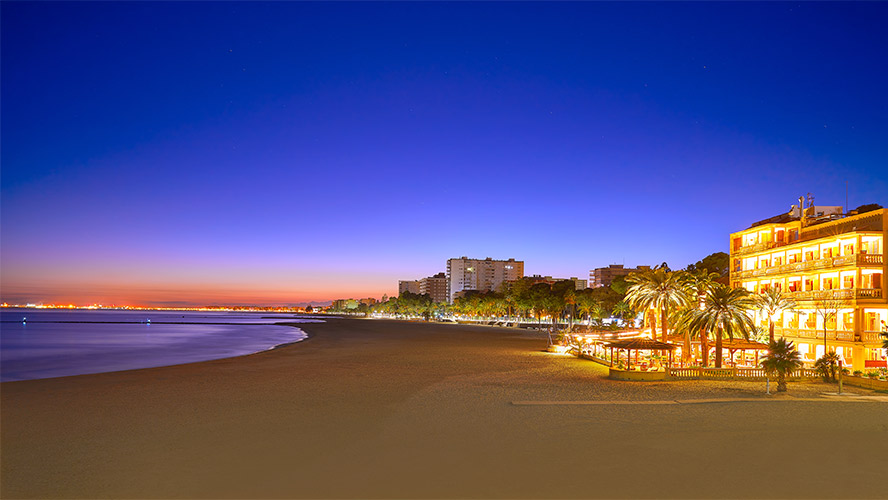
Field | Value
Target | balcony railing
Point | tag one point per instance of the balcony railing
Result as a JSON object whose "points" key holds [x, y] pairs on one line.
{"points": [[811, 333], [733, 374], [757, 247], [871, 336], [840, 294], [860, 259]]}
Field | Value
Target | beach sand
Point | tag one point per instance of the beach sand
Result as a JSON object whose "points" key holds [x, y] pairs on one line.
{"points": [[384, 409]]}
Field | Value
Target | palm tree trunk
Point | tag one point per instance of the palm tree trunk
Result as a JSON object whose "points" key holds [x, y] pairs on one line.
{"points": [[781, 381], [652, 318], [718, 349], [770, 330], [704, 344], [663, 322], [686, 349]]}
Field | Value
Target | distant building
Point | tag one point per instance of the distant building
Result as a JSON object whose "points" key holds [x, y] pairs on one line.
{"points": [[578, 283], [344, 304], [411, 286], [604, 276], [464, 274], [435, 287]]}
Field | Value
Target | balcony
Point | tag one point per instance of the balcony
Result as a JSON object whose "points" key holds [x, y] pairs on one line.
{"points": [[811, 333], [872, 336], [860, 259], [758, 247], [840, 294]]}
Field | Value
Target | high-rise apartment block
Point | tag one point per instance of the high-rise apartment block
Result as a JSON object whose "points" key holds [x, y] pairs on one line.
{"points": [[604, 276], [486, 275], [834, 267]]}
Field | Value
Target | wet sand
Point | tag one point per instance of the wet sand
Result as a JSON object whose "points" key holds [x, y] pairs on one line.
{"points": [[381, 409]]}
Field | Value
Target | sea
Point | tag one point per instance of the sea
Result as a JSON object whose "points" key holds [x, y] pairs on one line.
{"points": [[45, 343]]}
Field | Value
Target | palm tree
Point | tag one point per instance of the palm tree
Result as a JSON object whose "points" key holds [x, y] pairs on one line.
{"points": [[826, 366], [570, 301], [622, 309], [598, 312], [782, 357], [698, 284], [884, 334], [772, 303], [585, 304], [659, 289], [725, 313]]}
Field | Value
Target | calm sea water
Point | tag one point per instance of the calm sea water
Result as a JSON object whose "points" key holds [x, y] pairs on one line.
{"points": [[56, 343]]}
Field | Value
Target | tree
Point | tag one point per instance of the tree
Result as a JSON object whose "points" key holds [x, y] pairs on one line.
{"points": [[659, 289], [827, 365], [781, 358], [717, 262], [884, 335], [598, 312], [772, 303], [725, 312], [869, 207], [585, 304], [828, 310], [308, 308], [622, 309], [698, 283]]}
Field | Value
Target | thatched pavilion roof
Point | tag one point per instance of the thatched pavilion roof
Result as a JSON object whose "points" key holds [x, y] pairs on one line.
{"points": [[641, 343], [739, 343]]}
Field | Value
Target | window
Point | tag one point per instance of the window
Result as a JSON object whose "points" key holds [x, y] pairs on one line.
{"points": [[848, 321]]}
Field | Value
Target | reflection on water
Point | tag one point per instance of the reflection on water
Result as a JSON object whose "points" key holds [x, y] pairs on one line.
{"points": [[54, 343]]}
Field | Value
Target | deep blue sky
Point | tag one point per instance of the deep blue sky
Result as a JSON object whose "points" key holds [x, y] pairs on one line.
{"points": [[283, 152]]}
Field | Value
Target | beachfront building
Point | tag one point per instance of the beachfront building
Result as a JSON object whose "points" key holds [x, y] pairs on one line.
{"points": [[578, 283], [604, 276], [435, 287], [486, 275], [833, 265]]}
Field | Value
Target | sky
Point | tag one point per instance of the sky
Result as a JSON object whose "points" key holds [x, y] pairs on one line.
{"points": [[191, 153]]}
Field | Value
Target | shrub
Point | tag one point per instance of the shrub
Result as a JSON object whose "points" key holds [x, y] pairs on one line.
{"points": [[858, 373]]}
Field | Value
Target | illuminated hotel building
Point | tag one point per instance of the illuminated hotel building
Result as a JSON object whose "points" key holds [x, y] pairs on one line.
{"points": [[833, 265], [486, 275]]}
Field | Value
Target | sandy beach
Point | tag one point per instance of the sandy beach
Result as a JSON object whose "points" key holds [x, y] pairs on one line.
{"points": [[384, 409]]}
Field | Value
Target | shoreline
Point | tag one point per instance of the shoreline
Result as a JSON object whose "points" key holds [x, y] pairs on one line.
{"points": [[389, 409], [297, 326]]}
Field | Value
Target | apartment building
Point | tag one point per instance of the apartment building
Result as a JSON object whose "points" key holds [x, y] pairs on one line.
{"points": [[411, 286], [435, 287], [833, 265], [486, 275], [604, 276]]}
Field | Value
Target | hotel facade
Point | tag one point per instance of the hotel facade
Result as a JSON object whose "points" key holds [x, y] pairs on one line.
{"points": [[833, 265]]}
